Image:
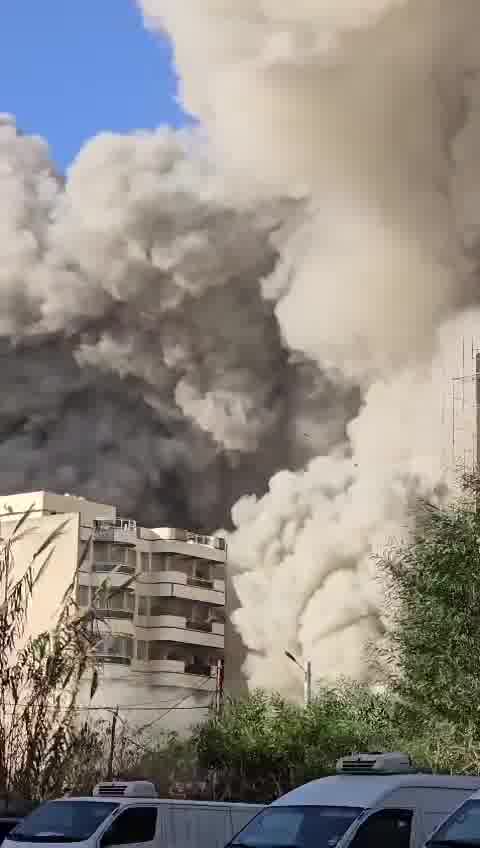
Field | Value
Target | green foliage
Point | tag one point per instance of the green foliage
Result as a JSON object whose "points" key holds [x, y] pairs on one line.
{"points": [[39, 677], [262, 746], [434, 598], [172, 764]]}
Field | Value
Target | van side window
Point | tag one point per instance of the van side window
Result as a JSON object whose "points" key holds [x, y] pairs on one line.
{"points": [[135, 824], [385, 829]]}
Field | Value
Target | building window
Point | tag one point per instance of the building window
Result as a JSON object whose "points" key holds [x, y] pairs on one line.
{"points": [[198, 665], [158, 562], [142, 650], [176, 654], [161, 606], [117, 554], [100, 552], [144, 562], [171, 606], [83, 596], [118, 600], [115, 602], [201, 613], [142, 605], [158, 651], [201, 571], [114, 554], [119, 646], [158, 606]]}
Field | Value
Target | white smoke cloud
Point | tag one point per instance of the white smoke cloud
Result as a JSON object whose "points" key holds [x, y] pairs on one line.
{"points": [[371, 111]]}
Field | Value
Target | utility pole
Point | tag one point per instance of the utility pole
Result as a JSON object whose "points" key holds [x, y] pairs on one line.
{"points": [[219, 679], [112, 744], [307, 686], [218, 704], [307, 677], [477, 410]]}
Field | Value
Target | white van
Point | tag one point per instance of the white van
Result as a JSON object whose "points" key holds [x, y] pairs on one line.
{"points": [[129, 814], [461, 828], [375, 801]]}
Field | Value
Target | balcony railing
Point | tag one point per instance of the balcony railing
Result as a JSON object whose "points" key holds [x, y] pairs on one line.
{"points": [[122, 568], [121, 531], [116, 650], [203, 626], [174, 534], [114, 613], [198, 668], [113, 659], [200, 582]]}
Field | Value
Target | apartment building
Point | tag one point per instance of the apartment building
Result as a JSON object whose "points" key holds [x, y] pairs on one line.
{"points": [[162, 630]]}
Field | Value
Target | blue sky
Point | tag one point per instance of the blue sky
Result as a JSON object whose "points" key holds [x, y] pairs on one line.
{"points": [[71, 68]]}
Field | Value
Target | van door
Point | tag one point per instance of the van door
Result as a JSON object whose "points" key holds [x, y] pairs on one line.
{"points": [[133, 826], [241, 815], [390, 828], [437, 803], [195, 826]]}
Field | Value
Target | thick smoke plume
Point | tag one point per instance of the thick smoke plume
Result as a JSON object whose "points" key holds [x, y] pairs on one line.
{"points": [[186, 317], [141, 365], [368, 112]]}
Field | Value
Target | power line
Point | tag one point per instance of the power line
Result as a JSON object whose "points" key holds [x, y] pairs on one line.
{"points": [[126, 708], [176, 706]]}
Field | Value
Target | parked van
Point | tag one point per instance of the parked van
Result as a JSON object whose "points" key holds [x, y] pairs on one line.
{"points": [[130, 814], [7, 823], [462, 827], [374, 801]]}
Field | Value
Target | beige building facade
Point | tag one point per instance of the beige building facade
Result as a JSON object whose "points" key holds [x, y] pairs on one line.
{"points": [[160, 613]]}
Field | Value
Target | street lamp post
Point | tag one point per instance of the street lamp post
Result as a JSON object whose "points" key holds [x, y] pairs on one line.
{"points": [[307, 677]]}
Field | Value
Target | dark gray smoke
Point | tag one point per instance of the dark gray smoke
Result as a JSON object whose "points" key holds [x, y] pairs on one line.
{"points": [[139, 363]]}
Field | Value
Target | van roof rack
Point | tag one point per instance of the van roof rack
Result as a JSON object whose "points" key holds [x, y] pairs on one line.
{"points": [[376, 762], [126, 789]]}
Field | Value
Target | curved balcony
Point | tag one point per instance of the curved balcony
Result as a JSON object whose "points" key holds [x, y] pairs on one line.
{"points": [[173, 534], [177, 584], [177, 673], [191, 549], [112, 655], [200, 582], [115, 579], [113, 659], [121, 531], [199, 669], [108, 567], [114, 613], [115, 649], [172, 628]]}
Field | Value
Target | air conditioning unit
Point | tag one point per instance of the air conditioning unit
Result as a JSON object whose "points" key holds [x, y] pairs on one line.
{"points": [[376, 763], [126, 789]]}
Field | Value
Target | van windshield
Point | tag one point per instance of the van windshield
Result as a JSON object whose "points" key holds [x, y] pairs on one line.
{"points": [[62, 821], [461, 828], [297, 827]]}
